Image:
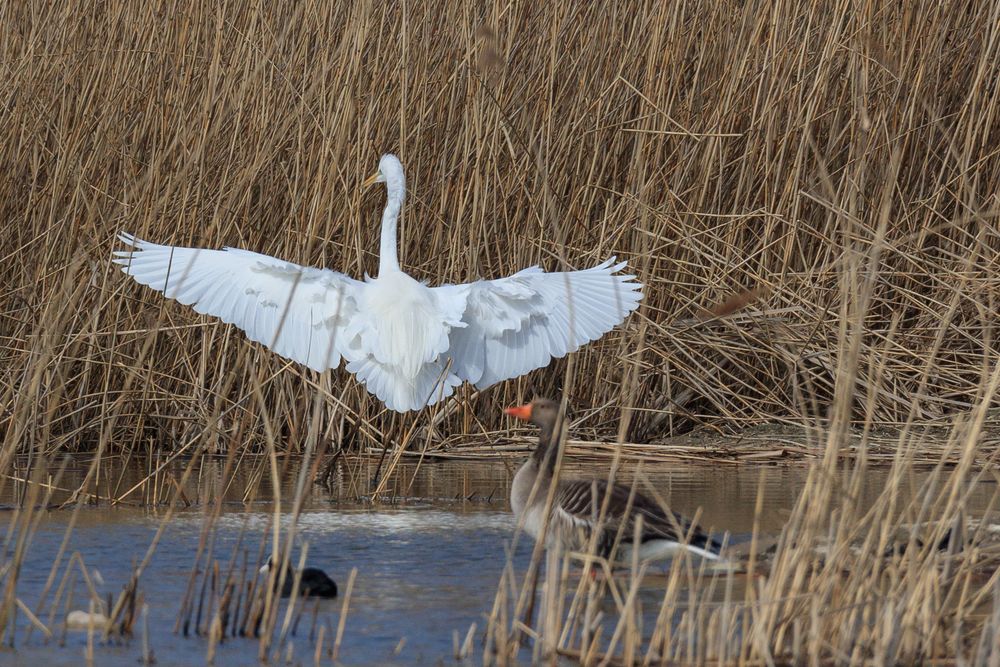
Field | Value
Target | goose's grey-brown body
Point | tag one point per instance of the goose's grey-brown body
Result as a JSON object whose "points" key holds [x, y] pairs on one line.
{"points": [[577, 505]]}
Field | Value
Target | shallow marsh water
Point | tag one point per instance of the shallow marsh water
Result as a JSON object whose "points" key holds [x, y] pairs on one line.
{"points": [[428, 565]]}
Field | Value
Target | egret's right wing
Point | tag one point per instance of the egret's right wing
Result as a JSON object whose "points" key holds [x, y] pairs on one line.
{"points": [[302, 313]]}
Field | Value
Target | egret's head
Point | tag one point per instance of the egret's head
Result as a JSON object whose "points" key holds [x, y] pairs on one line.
{"points": [[390, 172]]}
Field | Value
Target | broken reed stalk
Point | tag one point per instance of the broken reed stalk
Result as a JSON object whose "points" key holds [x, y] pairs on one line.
{"points": [[240, 585], [121, 617], [216, 631], [91, 627], [293, 598], [147, 649], [255, 597], [318, 650], [35, 622], [342, 621]]}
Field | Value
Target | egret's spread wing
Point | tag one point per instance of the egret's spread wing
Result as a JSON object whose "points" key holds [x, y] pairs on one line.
{"points": [[301, 313], [517, 324]]}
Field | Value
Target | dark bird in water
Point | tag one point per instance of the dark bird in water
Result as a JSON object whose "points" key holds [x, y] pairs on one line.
{"points": [[314, 582], [577, 503]]}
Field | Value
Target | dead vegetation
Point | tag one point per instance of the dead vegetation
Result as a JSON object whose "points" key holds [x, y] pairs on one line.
{"points": [[720, 147], [837, 161]]}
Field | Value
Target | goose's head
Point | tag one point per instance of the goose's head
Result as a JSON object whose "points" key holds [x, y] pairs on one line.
{"points": [[390, 172], [540, 412]]}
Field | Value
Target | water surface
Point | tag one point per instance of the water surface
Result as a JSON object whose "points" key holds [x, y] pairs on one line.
{"points": [[428, 563]]}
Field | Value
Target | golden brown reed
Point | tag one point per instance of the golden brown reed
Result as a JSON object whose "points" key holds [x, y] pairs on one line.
{"points": [[837, 588], [839, 158], [720, 147], [907, 579]]}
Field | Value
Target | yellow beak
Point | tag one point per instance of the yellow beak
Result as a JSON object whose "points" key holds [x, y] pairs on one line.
{"points": [[371, 180]]}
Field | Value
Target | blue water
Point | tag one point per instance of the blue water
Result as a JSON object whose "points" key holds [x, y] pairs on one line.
{"points": [[426, 569], [422, 574]]}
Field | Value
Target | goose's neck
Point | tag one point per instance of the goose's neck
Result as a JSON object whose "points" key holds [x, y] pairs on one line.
{"points": [[545, 453], [388, 259]]}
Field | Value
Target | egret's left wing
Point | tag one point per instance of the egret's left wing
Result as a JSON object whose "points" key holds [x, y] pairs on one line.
{"points": [[519, 323]]}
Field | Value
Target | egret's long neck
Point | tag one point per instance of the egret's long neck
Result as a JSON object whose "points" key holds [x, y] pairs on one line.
{"points": [[388, 259]]}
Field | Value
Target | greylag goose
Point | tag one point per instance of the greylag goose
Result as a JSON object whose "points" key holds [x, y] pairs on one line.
{"points": [[577, 503], [408, 343], [313, 583]]}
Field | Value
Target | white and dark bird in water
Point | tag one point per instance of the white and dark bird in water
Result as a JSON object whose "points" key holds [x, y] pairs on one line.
{"points": [[576, 506], [410, 344], [313, 582]]}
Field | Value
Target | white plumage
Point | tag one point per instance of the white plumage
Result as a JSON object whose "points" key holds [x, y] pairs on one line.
{"points": [[410, 344]]}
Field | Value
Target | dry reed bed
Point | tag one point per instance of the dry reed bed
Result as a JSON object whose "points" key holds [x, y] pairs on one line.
{"points": [[906, 579], [835, 592], [221, 601], [717, 146], [841, 158]]}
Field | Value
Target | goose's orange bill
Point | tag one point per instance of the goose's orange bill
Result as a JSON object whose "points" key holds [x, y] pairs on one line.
{"points": [[521, 412]]}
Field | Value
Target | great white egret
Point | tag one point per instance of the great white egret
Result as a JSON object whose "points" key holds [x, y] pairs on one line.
{"points": [[410, 344]]}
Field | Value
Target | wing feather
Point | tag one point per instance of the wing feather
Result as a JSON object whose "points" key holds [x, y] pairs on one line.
{"points": [[297, 311], [517, 324], [577, 499], [315, 316], [397, 335]]}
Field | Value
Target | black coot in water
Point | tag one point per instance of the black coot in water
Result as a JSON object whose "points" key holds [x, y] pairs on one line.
{"points": [[314, 582]]}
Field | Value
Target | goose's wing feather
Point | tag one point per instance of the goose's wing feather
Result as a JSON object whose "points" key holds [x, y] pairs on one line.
{"points": [[581, 500], [305, 314], [519, 323]]}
